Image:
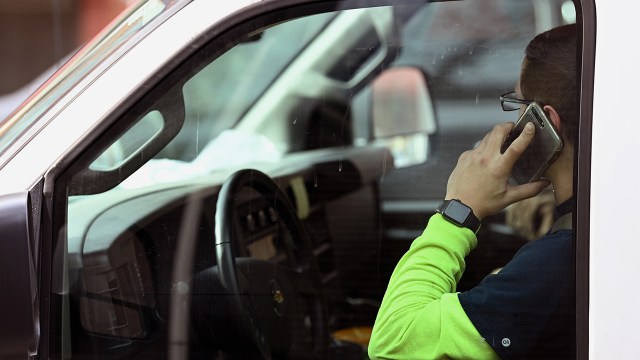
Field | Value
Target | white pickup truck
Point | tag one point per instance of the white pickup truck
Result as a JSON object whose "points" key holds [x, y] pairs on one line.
{"points": [[238, 179]]}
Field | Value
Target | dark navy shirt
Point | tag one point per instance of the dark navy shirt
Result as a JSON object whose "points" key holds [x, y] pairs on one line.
{"points": [[527, 310]]}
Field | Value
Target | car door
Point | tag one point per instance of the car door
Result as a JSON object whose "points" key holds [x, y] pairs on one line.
{"points": [[159, 238]]}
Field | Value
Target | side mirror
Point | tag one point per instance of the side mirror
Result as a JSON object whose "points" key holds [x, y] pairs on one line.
{"points": [[17, 320], [402, 114]]}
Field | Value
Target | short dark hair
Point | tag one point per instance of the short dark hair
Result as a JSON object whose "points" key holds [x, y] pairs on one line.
{"points": [[549, 73]]}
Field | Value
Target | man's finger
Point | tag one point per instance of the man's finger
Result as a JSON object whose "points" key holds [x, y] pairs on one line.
{"points": [[525, 191], [483, 143], [519, 145], [499, 134]]}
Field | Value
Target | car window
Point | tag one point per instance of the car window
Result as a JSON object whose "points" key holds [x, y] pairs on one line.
{"points": [[311, 149]]}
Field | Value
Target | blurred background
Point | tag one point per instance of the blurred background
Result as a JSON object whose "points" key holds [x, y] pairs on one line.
{"points": [[36, 36]]}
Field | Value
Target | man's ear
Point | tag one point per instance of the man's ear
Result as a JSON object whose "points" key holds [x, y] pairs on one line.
{"points": [[554, 117]]}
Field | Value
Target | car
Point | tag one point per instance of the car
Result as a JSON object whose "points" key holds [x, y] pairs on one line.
{"points": [[238, 179]]}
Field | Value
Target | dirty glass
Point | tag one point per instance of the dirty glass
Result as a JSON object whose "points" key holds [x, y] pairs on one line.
{"points": [[313, 152]]}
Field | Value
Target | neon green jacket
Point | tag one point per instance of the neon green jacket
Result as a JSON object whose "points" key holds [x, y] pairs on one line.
{"points": [[421, 316]]}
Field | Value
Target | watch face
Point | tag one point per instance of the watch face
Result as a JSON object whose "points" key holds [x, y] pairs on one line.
{"points": [[457, 212]]}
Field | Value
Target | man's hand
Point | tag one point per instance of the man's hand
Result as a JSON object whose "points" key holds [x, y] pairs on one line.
{"points": [[480, 179]]}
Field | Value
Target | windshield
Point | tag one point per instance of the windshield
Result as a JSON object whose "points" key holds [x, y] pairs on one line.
{"points": [[94, 53]]}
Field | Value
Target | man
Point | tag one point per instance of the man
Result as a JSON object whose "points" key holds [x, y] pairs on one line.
{"points": [[527, 309]]}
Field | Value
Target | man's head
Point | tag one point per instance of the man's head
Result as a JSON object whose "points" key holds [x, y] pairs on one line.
{"points": [[549, 73]]}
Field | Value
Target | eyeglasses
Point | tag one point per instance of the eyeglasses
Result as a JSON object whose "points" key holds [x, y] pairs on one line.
{"points": [[510, 102]]}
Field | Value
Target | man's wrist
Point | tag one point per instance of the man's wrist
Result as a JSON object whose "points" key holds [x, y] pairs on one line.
{"points": [[460, 214]]}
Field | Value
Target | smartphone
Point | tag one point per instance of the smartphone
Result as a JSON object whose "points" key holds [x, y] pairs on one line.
{"points": [[543, 150]]}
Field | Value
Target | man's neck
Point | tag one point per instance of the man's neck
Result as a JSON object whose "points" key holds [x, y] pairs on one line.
{"points": [[561, 175], [562, 190]]}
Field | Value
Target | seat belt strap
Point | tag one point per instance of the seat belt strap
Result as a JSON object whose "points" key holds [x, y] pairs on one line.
{"points": [[564, 222]]}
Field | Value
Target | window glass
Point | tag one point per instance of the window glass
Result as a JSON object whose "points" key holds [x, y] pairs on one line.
{"points": [[358, 117], [217, 97]]}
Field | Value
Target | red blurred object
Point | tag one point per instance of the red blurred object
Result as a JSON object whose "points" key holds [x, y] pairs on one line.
{"points": [[94, 15]]}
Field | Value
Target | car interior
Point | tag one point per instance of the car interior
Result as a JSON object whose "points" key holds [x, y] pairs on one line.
{"points": [[255, 202]]}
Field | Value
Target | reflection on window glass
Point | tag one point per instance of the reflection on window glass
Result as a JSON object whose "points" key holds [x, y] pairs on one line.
{"points": [[130, 143], [221, 93], [316, 154], [568, 12]]}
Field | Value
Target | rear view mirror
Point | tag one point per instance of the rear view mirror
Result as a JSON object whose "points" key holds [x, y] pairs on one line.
{"points": [[402, 114]]}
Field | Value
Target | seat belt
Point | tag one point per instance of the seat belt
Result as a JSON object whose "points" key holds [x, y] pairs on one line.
{"points": [[564, 222]]}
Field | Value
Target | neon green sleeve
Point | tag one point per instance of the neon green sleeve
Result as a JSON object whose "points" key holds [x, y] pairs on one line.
{"points": [[421, 316]]}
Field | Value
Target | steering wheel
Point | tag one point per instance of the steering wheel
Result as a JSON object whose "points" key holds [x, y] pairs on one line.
{"points": [[280, 307]]}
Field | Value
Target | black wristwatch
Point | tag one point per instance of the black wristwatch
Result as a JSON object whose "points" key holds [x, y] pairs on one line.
{"points": [[459, 214]]}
